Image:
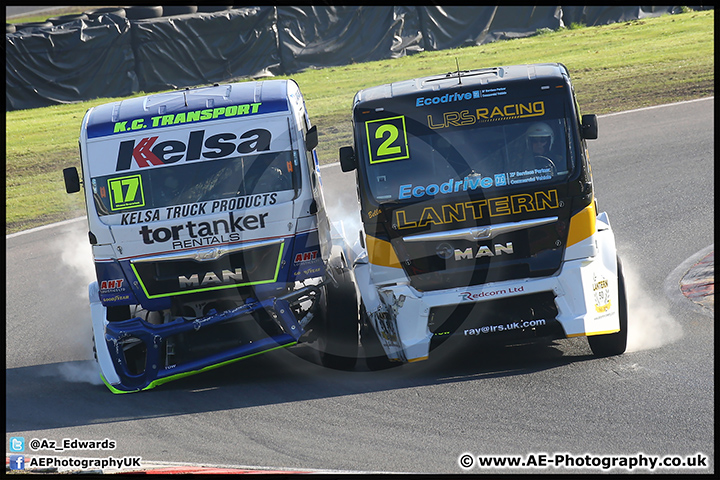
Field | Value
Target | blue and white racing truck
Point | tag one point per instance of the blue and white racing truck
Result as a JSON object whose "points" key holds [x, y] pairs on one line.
{"points": [[479, 215], [209, 233]]}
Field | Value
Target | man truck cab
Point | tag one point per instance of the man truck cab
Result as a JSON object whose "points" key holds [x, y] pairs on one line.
{"points": [[209, 233], [479, 214]]}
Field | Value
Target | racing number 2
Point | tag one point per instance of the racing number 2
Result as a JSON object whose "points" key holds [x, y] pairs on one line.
{"points": [[126, 192], [387, 139]]}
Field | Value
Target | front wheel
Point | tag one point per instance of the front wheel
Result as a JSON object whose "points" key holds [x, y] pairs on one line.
{"points": [[614, 343], [375, 357], [338, 339]]}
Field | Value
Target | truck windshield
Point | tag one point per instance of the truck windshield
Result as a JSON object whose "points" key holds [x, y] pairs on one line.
{"points": [[435, 152], [195, 182]]}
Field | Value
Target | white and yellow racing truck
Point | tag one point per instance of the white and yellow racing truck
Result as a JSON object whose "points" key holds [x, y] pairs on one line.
{"points": [[209, 233], [479, 215]]}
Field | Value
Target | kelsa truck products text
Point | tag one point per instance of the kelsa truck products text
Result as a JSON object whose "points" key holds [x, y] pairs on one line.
{"points": [[479, 215], [209, 233]]}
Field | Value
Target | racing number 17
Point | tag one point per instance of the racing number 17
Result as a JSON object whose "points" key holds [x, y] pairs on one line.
{"points": [[387, 139], [126, 192]]}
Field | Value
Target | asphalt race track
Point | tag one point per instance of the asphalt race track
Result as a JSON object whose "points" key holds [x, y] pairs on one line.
{"points": [[653, 172]]}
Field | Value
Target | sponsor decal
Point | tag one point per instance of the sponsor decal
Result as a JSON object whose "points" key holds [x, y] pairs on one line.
{"points": [[306, 257], [145, 123], [204, 233], [140, 217], [484, 251], [412, 217], [458, 97], [526, 176], [197, 209], [186, 117], [505, 327], [374, 213], [149, 152], [309, 272], [469, 183], [116, 298], [510, 111], [601, 293], [107, 286], [211, 278], [474, 296]]}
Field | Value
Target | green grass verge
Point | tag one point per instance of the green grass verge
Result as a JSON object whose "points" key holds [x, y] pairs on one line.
{"points": [[614, 68]]}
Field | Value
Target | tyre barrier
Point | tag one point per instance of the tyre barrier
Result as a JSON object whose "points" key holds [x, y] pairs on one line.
{"points": [[210, 8], [138, 12], [28, 25], [67, 18], [120, 12], [172, 10]]}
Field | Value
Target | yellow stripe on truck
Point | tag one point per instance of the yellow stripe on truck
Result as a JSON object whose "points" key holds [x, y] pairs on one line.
{"points": [[582, 225], [381, 252]]}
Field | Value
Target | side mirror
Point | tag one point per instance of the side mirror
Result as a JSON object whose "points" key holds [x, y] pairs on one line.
{"points": [[348, 163], [311, 138], [589, 127], [72, 180]]}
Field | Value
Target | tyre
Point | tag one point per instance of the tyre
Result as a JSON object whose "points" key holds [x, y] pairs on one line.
{"points": [[28, 25], [212, 8], [171, 10], [375, 357], [614, 343], [338, 339], [138, 12], [93, 14], [67, 18]]}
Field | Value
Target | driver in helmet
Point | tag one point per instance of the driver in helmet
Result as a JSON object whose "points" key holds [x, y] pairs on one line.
{"points": [[539, 139]]}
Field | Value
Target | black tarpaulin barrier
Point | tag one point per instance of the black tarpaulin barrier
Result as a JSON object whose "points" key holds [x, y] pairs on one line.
{"points": [[451, 27], [314, 36], [605, 15], [66, 63], [204, 48], [114, 56]]}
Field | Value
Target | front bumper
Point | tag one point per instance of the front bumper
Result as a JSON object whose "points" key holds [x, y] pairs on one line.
{"points": [[121, 376], [584, 292]]}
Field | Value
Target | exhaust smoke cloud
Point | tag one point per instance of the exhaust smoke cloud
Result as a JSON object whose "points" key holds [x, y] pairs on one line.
{"points": [[75, 258], [649, 323]]}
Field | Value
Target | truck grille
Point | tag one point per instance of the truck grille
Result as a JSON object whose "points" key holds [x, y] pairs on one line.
{"points": [[209, 269]]}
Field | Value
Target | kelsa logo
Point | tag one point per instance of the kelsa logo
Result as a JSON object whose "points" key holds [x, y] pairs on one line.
{"points": [[147, 152]]}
